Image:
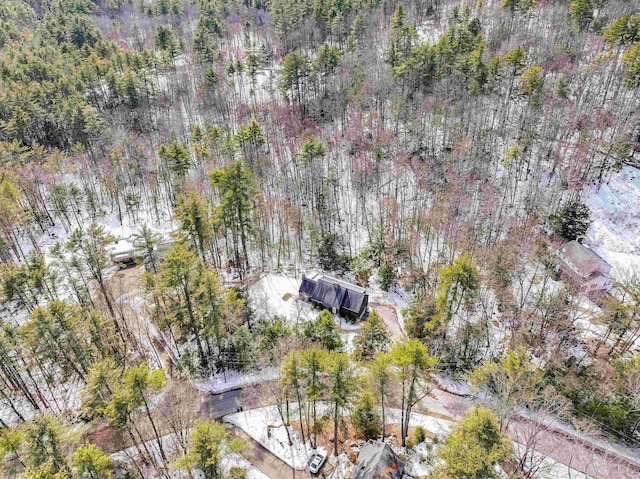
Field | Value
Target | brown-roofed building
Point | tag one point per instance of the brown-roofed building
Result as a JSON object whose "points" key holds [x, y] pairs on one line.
{"points": [[584, 268], [378, 461]]}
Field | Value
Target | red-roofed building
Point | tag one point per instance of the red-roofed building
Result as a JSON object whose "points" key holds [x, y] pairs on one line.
{"points": [[584, 268]]}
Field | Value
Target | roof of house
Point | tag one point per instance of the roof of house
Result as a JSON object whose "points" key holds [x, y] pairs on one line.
{"points": [[307, 286], [583, 259], [333, 292], [329, 294], [377, 461], [353, 300]]}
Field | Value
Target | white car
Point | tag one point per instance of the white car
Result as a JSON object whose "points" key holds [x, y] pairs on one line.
{"points": [[316, 463]]}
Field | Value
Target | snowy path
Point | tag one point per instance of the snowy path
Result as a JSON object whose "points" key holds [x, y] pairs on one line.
{"points": [[263, 459], [584, 454], [230, 380], [560, 444]]}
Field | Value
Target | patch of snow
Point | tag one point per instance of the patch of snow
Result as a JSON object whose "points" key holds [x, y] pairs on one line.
{"points": [[60, 397], [230, 380], [265, 426], [120, 232], [342, 466], [453, 386], [545, 467], [623, 263], [348, 338], [236, 460], [170, 445], [348, 326], [266, 298], [435, 425], [430, 32], [615, 212], [583, 316], [419, 460]]}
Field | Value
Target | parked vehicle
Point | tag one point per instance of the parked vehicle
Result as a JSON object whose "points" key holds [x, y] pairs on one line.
{"points": [[316, 463]]}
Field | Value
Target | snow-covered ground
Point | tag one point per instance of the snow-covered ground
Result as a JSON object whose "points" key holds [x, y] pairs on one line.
{"points": [[170, 446], [584, 314], [420, 461], [430, 32], [60, 397], [349, 345], [615, 214], [435, 425], [535, 284], [123, 233], [342, 466], [236, 460], [265, 426], [348, 326], [545, 467], [267, 299], [222, 382]]}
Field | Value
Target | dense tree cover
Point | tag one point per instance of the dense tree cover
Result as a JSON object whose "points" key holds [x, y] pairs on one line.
{"points": [[314, 375], [365, 417], [112, 93], [44, 449], [209, 441], [372, 338], [572, 220], [474, 449]]}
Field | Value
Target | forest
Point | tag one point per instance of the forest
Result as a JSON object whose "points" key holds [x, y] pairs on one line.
{"points": [[170, 169]]}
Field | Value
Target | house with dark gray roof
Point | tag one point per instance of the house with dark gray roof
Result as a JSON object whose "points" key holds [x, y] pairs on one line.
{"points": [[335, 295], [584, 268], [378, 461]]}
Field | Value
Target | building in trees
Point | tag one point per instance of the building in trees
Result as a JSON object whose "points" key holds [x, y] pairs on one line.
{"points": [[122, 253], [337, 296], [584, 268], [149, 250], [377, 460]]}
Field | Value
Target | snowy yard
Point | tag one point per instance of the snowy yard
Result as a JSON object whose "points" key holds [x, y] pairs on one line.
{"points": [[537, 283], [615, 212], [267, 298], [277, 295], [342, 466], [265, 426]]}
